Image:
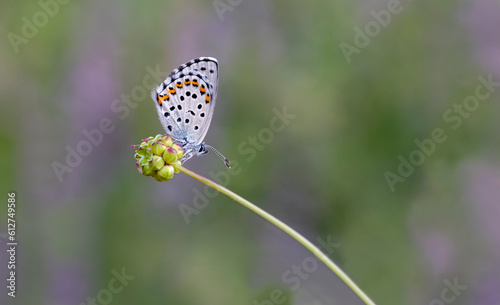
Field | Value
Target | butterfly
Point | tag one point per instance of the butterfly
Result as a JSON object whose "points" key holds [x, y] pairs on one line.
{"points": [[185, 102]]}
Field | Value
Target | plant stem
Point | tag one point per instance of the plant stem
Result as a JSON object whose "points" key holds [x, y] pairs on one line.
{"points": [[288, 230]]}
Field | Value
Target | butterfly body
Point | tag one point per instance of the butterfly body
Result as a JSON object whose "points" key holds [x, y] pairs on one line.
{"points": [[185, 103]]}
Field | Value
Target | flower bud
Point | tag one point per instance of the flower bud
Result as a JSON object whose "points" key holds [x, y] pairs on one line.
{"points": [[180, 150], [141, 151], [148, 170], [170, 155], [165, 174], [167, 140], [176, 171], [158, 148], [157, 162]]}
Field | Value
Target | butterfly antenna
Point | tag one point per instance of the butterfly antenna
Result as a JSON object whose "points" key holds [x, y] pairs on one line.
{"points": [[226, 161]]}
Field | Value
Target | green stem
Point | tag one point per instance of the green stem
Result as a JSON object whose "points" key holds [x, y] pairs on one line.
{"points": [[288, 230]]}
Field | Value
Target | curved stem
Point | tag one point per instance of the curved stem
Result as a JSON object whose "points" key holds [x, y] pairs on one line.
{"points": [[288, 230]]}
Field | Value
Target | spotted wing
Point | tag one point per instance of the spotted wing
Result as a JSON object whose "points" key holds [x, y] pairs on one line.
{"points": [[184, 107], [185, 101]]}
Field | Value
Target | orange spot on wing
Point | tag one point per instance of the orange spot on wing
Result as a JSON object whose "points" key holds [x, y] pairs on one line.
{"points": [[207, 99], [171, 91], [203, 90], [178, 85], [195, 83], [187, 82], [162, 98]]}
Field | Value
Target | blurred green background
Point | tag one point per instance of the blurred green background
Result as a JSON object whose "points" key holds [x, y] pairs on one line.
{"points": [[362, 89]]}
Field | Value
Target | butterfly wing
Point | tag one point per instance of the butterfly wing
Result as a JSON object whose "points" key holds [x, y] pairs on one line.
{"points": [[185, 101]]}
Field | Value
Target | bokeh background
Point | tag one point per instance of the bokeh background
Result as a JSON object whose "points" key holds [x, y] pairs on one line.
{"points": [[324, 173]]}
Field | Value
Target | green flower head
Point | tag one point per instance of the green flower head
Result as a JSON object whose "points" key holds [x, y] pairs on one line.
{"points": [[156, 155]]}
